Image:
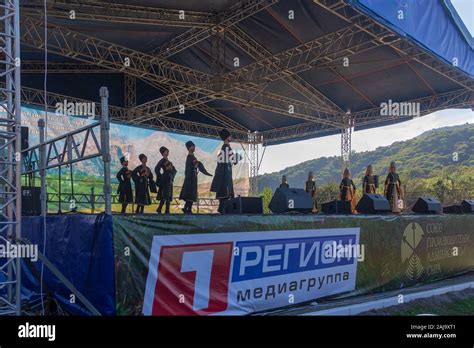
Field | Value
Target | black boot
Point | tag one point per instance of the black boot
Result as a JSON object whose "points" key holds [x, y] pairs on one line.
{"points": [[160, 206], [221, 206]]}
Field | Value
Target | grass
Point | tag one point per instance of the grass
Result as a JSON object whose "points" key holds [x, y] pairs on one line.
{"points": [[454, 303]]}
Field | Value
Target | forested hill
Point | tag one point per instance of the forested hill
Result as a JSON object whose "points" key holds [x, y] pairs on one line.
{"points": [[421, 157]]}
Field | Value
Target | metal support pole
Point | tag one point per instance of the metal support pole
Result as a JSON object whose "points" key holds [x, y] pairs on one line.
{"points": [[346, 138], [42, 164], [17, 101], [104, 138], [253, 140]]}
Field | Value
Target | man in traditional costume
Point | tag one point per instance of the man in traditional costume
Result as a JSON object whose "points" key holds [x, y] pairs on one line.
{"points": [[143, 179], [189, 191], [125, 185], [165, 173], [222, 183]]}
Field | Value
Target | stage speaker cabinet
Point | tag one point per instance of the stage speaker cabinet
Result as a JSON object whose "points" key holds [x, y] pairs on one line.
{"points": [[30, 200], [468, 206], [288, 200], [453, 209], [24, 138], [427, 205], [372, 203], [244, 205], [336, 207]]}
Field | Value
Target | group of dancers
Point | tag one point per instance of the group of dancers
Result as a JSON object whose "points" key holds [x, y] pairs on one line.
{"points": [[392, 188], [222, 184], [165, 172]]}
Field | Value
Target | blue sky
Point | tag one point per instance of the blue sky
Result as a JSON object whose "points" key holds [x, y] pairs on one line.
{"points": [[465, 10]]}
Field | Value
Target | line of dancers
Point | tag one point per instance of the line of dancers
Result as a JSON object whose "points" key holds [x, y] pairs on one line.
{"points": [[347, 190], [165, 172]]}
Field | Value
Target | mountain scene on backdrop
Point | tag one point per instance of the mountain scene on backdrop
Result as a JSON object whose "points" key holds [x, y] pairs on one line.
{"points": [[434, 162], [132, 141]]}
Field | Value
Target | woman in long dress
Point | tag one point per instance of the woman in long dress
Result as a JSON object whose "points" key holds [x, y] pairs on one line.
{"points": [[310, 187], [347, 189], [369, 184], [393, 189]]}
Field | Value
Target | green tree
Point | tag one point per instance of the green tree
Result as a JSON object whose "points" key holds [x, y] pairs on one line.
{"points": [[266, 195]]}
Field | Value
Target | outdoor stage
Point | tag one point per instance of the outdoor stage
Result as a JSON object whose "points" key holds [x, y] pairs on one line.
{"points": [[254, 262]]}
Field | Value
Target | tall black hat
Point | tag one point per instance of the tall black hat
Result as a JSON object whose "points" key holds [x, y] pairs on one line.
{"points": [[189, 144], [224, 134]]}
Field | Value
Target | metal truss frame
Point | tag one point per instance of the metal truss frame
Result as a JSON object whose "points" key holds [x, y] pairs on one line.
{"points": [[65, 149], [245, 86], [10, 146], [238, 11], [454, 99], [31, 96], [254, 141], [130, 91], [118, 13], [195, 87], [346, 140]]}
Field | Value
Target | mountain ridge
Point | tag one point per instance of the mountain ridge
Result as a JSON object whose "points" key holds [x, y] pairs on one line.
{"points": [[418, 157]]}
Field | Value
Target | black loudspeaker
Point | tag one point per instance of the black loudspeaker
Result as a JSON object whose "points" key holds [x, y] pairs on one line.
{"points": [[453, 209], [30, 200], [427, 205], [372, 203], [337, 207], [467, 206], [287, 200], [24, 138], [244, 205]]}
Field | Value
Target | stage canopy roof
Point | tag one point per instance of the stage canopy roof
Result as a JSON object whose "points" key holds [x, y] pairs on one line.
{"points": [[268, 70]]}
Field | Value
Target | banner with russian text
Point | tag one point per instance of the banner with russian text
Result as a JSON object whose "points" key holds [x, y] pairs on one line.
{"points": [[240, 273], [243, 264]]}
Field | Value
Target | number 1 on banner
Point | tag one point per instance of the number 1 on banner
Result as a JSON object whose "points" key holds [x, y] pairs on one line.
{"points": [[201, 263]]}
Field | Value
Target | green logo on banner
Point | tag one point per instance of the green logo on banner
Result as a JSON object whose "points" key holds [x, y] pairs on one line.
{"points": [[411, 238]]}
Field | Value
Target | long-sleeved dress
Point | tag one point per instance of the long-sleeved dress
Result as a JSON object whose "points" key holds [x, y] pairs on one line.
{"points": [[368, 184], [142, 185], [190, 184], [310, 187], [222, 183], [347, 191], [165, 173], [393, 191], [125, 186]]}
